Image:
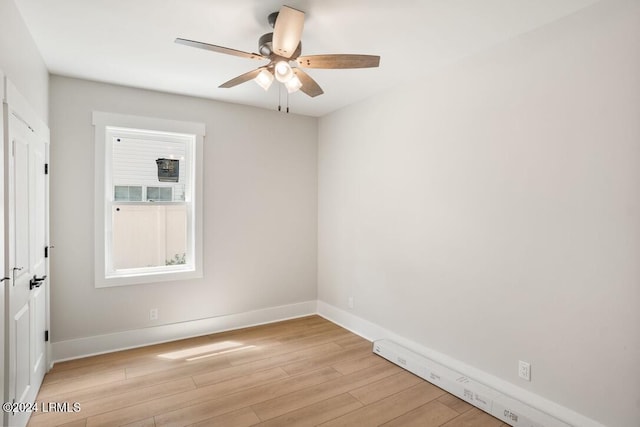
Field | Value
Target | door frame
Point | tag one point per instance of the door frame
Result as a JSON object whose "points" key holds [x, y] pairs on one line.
{"points": [[14, 104], [3, 266]]}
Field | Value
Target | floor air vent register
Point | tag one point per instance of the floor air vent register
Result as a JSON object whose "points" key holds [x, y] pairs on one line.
{"points": [[505, 408]]}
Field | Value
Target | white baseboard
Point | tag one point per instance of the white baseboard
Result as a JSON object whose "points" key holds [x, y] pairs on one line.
{"points": [[373, 332], [89, 346]]}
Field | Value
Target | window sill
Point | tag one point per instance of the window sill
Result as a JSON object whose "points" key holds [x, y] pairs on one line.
{"points": [[151, 277]]}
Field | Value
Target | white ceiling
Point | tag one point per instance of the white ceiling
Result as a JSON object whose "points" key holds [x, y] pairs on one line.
{"points": [[131, 42]]}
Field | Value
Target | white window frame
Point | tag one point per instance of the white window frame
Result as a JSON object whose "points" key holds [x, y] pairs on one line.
{"points": [[104, 197]]}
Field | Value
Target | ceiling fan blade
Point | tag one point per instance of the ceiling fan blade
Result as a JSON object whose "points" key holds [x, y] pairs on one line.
{"points": [[242, 78], [287, 31], [339, 61], [309, 86], [219, 49]]}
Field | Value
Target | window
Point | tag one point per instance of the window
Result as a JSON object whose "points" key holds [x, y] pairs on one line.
{"points": [[148, 199]]}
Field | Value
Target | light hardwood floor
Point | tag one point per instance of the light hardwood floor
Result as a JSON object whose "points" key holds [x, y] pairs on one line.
{"points": [[300, 372]]}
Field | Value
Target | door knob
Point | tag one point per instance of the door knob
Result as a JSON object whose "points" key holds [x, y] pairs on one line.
{"points": [[36, 281]]}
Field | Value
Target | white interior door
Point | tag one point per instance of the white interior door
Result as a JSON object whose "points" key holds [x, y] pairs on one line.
{"points": [[26, 293]]}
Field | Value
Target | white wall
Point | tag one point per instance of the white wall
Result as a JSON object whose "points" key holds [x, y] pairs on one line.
{"points": [[491, 211], [21, 61], [260, 210]]}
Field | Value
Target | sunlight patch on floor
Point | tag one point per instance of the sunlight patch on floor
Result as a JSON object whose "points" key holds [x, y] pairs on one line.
{"points": [[194, 353], [220, 352]]}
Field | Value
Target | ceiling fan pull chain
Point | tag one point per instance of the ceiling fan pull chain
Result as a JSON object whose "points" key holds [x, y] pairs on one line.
{"points": [[279, 98], [287, 102]]}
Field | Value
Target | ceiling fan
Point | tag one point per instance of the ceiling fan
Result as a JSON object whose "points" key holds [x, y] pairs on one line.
{"points": [[281, 48]]}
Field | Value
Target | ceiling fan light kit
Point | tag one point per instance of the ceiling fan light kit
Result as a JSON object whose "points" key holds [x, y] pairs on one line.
{"points": [[280, 48], [264, 79], [283, 70], [293, 84]]}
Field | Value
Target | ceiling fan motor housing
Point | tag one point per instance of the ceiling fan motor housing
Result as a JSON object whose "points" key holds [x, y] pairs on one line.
{"points": [[265, 47], [265, 44]]}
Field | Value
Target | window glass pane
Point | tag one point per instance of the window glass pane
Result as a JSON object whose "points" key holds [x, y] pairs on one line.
{"points": [[149, 235], [135, 194], [178, 193], [121, 193], [135, 163], [165, 194], [152, 193]]}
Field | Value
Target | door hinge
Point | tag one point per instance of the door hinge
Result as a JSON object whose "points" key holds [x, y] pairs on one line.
{"points": [[46, 251], [46, 168], [46, 336]]}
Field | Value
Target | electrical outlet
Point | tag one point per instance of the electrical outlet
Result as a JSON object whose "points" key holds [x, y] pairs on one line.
{"points": [[153, 314], [524, 370], [350, 302]]}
